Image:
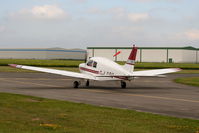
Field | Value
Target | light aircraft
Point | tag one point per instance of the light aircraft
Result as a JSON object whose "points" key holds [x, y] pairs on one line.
{"points": [[103, 69]]}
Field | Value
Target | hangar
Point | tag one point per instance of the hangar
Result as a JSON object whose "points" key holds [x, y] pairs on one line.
{"points": [[36, 53], [149, 54]]}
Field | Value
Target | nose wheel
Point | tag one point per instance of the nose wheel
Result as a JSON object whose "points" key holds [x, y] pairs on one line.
{"points": [[123, 84], [76, 84]]}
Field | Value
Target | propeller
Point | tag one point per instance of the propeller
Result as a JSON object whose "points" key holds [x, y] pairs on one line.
{"points": [[117, 53]]}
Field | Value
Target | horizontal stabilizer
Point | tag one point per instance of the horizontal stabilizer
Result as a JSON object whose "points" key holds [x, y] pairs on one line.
{"points": [[147, 73], [157, 72]]}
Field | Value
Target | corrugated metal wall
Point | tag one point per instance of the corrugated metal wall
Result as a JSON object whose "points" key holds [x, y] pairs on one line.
{"points": [[42, 54], [178, 55]]}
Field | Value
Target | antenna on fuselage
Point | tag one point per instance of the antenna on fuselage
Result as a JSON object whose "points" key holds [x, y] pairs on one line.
{"points": [[86, 56]]}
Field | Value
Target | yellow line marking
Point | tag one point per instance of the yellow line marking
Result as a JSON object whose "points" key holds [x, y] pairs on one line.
{"points": [[164, 98], [31, 83], [147, 96]]}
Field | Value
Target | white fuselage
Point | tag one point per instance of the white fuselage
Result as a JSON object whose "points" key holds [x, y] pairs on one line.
{"points": [[104, 69]]}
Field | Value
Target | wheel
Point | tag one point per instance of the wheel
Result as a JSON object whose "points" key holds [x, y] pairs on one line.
{"points": [[76, 84], [123, 84], [87, 83]]}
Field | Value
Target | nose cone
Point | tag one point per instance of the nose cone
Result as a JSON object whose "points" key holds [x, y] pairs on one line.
{"points": [[82, 65]]}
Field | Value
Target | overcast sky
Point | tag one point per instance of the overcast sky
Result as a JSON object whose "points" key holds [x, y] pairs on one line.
{"points": [[82, 23]]}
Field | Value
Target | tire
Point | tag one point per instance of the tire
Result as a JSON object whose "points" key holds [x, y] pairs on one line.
{"points": [[123, 84], [76, 84], [87, 83]]}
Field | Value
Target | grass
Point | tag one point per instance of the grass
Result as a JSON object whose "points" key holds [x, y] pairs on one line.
{"points": [[194, 81], [189, 72], [41, 63], [25, 114]]}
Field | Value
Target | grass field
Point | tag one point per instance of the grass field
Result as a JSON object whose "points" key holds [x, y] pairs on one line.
{"points": [[24, 114], [188, 81], [72, 63], [43, 63]]}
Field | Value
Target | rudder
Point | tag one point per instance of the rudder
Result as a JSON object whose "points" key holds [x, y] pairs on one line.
{"points": [[129, 66]]}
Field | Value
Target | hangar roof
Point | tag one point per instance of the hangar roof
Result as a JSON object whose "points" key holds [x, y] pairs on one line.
{"points": [[44, 49], [187, 48]]}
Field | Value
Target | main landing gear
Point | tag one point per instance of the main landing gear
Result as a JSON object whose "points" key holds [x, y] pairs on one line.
{"points": [[87, 83], [123, 84], [77, 83]]}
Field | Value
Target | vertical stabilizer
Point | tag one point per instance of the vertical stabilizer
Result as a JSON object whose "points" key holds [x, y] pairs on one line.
{"points": [[129, 66]]}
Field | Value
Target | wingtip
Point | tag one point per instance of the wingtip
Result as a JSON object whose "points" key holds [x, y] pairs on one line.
{"points": [[13, 65], [177, 69]]}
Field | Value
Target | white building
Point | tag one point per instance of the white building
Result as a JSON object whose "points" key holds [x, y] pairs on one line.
{"points": [[35, 53], [149, 54]]}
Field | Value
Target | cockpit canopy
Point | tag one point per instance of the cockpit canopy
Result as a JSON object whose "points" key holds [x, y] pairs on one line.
{"points": [[92, 63]]}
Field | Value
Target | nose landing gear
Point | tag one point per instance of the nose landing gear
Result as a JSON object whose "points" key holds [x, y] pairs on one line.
{"points": [[76, 84]]}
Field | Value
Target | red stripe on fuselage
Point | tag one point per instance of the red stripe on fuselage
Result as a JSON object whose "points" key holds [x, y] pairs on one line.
{"points": [[89, 70], [97, 72], [119, 77], [131, 63]]}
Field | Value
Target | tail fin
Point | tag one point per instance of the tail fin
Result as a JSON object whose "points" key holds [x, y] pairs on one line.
{"points": [[129, 66]]}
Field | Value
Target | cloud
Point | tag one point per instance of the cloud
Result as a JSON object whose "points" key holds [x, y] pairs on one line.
{"points": [[135, 17], [95, 10], [121, 14], [192, 34], [41, 12], [47, 11]]}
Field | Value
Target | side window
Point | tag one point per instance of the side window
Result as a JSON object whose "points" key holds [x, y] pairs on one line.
{"points": [[90, 62], [95, 64]]}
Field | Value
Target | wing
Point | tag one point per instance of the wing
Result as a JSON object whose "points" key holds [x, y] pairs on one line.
{"points": [[54, 71], [155, 72], [146, 73]]}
